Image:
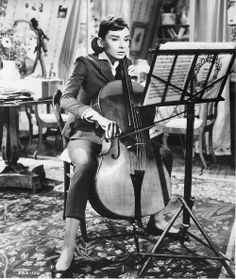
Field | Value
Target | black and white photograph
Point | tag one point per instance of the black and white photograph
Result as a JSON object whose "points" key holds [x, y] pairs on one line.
{"points": [[62, 11], [137, 37], [117, 138]]}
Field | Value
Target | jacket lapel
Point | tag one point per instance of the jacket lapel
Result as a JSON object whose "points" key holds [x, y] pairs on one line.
{"points": [[106, 70]]}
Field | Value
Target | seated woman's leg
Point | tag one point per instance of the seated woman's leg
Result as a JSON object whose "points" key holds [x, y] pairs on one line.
{"points": [[83, 155]]}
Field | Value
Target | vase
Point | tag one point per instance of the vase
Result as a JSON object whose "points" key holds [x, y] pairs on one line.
{"points": [[9, 70]]}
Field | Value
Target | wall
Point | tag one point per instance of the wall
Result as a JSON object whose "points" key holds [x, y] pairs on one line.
{"points": [[148, 14], [133, 11], [53, 26]]}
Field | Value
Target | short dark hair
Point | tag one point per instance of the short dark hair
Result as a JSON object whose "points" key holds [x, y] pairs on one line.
{"points": [[111, 23]]}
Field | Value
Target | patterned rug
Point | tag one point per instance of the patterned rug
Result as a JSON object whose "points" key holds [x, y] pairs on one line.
{"points": [[32, 230]]}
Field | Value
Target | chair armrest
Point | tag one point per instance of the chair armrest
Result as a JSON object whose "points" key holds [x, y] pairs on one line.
{"points": [[46, 105], [44, 100]]}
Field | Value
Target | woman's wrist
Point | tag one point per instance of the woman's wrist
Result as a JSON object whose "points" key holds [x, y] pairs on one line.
{"points": [[91, 115], [99, 118]]}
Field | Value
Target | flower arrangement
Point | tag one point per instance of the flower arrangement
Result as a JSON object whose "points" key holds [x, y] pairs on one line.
{"points": [[11, 48], [17, 44]]}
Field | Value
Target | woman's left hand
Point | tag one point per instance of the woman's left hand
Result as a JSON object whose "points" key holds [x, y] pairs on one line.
{"points": [[132, 71]]}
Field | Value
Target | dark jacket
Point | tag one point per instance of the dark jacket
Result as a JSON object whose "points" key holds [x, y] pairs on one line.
{"points": [[89, 76]]}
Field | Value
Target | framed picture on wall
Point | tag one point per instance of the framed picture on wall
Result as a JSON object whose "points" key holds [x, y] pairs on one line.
{"points": [[62, 11], [137, 37]]}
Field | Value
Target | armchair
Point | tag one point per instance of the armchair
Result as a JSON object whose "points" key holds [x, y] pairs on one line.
{"points": [[45, 118], [205, 116]]}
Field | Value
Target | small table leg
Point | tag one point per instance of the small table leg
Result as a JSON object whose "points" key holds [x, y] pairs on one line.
{"points": [[14, 174]]}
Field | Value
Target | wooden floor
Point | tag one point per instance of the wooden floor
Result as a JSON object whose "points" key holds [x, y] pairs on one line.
{"points": [[223, 169]]}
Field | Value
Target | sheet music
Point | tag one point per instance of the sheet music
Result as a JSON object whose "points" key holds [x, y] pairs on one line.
{"points": [[162, 68], [165, 86], [202, 69]]}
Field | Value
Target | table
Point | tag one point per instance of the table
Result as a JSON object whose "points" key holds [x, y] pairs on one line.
{"points": [[15, 174], [39, 88]]}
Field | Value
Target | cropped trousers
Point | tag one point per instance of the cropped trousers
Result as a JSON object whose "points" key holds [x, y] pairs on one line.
{"points": [[83, 154]]}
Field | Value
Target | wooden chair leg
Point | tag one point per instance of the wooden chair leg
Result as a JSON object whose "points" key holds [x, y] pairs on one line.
{"points": [[30, 135], [28, 114], [66, 185], [57, 138], [201, 150], [164, 138], [211, 146], [39, 142]]}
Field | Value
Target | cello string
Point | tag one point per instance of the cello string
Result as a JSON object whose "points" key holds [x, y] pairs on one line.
{"points": [[134, 119]]}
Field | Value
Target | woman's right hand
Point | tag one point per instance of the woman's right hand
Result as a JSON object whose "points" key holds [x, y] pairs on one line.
{"points": [[110, 127]]}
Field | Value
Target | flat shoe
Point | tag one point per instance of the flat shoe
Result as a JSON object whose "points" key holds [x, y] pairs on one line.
{"points": [[61, 273]]}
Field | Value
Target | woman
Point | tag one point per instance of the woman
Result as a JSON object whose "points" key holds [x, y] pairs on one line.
{"points": [[91, 73]]}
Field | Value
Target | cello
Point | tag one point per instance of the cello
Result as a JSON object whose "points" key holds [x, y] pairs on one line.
{"points": [[131, 182]]}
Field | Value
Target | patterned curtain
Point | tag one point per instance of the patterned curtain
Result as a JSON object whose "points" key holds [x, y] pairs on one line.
{"points": [[208, 23]]}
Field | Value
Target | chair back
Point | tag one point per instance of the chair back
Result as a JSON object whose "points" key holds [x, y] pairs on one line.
{"points": [[57, 112], [207, 112]]}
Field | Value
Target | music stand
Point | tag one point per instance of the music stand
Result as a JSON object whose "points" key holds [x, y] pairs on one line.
{"points": [[186, 74]]}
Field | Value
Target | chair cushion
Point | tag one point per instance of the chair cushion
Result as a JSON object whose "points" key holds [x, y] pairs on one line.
{"points": [[65, 156], [48, 117]]}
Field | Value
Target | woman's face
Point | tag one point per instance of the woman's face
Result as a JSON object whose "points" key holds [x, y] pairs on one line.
{"points": [[116, 44]]}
